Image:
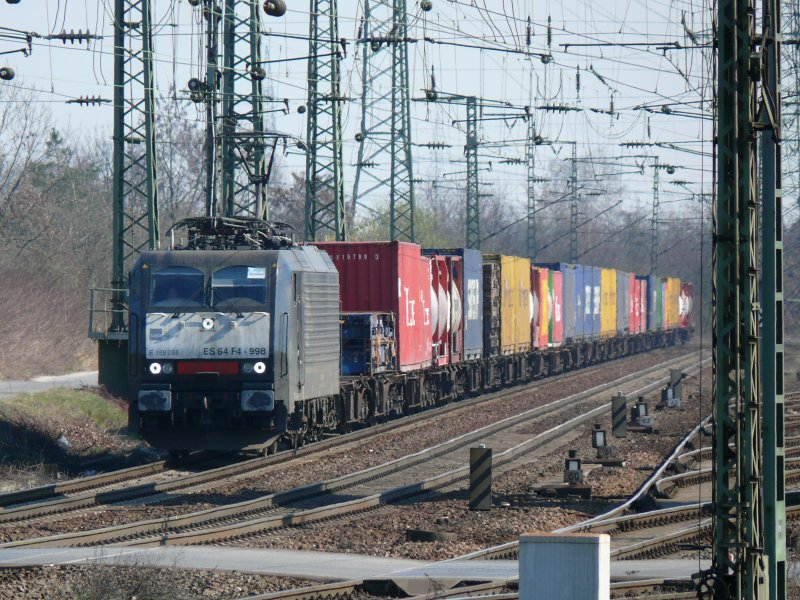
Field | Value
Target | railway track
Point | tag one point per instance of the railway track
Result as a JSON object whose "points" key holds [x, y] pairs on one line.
{"points": [[670, 530], [165, 486], [502, 590], [393, 481]]}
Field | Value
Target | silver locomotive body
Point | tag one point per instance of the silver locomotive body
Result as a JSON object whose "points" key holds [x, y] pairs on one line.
{"points": [[231, 349]]}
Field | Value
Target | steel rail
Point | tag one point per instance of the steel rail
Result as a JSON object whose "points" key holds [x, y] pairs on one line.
{"points": [[162, 531], [87, 500]]}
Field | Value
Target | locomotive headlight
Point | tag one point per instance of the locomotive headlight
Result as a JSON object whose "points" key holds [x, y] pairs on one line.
{"points": [[208, 324], [260, 367], [155, 368], [167, 368], [247, 367]]}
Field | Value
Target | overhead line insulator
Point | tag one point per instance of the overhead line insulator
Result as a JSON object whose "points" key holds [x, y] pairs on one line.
{"points": [[88, 101], [73, 36]]}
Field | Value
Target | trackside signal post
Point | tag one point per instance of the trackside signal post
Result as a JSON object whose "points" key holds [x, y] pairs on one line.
{"points": [[749, 546]]}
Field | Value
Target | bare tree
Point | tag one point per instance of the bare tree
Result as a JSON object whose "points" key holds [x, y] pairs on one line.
{"points": [[24, 126]]}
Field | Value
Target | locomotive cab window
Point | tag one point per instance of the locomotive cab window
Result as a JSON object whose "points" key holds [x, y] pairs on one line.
{"points": [[177, 287], [239, 286]]}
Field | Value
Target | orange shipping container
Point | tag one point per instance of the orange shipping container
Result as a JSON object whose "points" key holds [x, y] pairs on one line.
{"points": [[515, 304], [608, 302], [672, 303]]}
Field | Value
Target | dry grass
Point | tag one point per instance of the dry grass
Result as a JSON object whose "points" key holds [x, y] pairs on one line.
{"points": [[30, 427], [44, 329]]}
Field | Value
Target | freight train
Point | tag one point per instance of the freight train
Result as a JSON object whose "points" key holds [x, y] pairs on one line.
{"points": [[240, 338]]}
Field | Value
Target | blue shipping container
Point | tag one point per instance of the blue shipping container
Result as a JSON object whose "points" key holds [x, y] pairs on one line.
{"points": [[471, 294], [591, 299], [583, 310]]}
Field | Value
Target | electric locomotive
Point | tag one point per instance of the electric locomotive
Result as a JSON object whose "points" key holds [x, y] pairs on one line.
{"points": [[234, 338]]}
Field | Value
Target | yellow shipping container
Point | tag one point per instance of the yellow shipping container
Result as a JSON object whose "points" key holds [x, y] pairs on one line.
{"points": [[608, 302], [672, 303], [515, 305]]}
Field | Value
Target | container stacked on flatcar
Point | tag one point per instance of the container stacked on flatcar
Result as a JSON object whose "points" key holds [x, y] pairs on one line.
{"points": [[509, 281], [686, 309], [540, 323], [466, 269], [389, 278]]}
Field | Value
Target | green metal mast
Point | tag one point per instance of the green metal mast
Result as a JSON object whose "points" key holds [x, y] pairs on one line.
{"points": [[738, 560], [325, 212], [243, 135], [385, 136], [772, 304], [530, 158], [473, 209], [573, 206], [135, 226], [208, 93], [473, 195], [654, 222]]}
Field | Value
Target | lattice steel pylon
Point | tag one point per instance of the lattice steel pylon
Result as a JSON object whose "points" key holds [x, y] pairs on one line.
{"points": [[134, 177], [772, 304], [473, 190], [654, 221], [385, 136], [530, 161], [574, 202], [243, 134], [135, 214], [325, 210], [738, 557]]}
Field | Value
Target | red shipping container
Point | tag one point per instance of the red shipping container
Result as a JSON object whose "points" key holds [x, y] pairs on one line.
{"points": [[685, 305], [440, 309], [389, 277], [632, 316], [556, 298], [636, 305], [456, 307]]}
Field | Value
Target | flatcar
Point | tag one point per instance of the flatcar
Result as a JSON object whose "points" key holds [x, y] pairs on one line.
{"points": [[240, 338]]}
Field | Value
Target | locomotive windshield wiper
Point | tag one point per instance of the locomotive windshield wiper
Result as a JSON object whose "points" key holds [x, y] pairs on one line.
{"points": [[231, 308]]}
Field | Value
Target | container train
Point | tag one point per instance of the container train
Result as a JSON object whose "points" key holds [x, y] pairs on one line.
{"points": [[240, 338]]}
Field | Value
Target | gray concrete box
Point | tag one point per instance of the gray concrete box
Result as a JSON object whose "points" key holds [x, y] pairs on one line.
{"points": [[573, 566]]}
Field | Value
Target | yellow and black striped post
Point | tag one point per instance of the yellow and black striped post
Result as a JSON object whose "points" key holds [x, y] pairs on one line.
{"points": [[619, 415], [480, 478]]}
